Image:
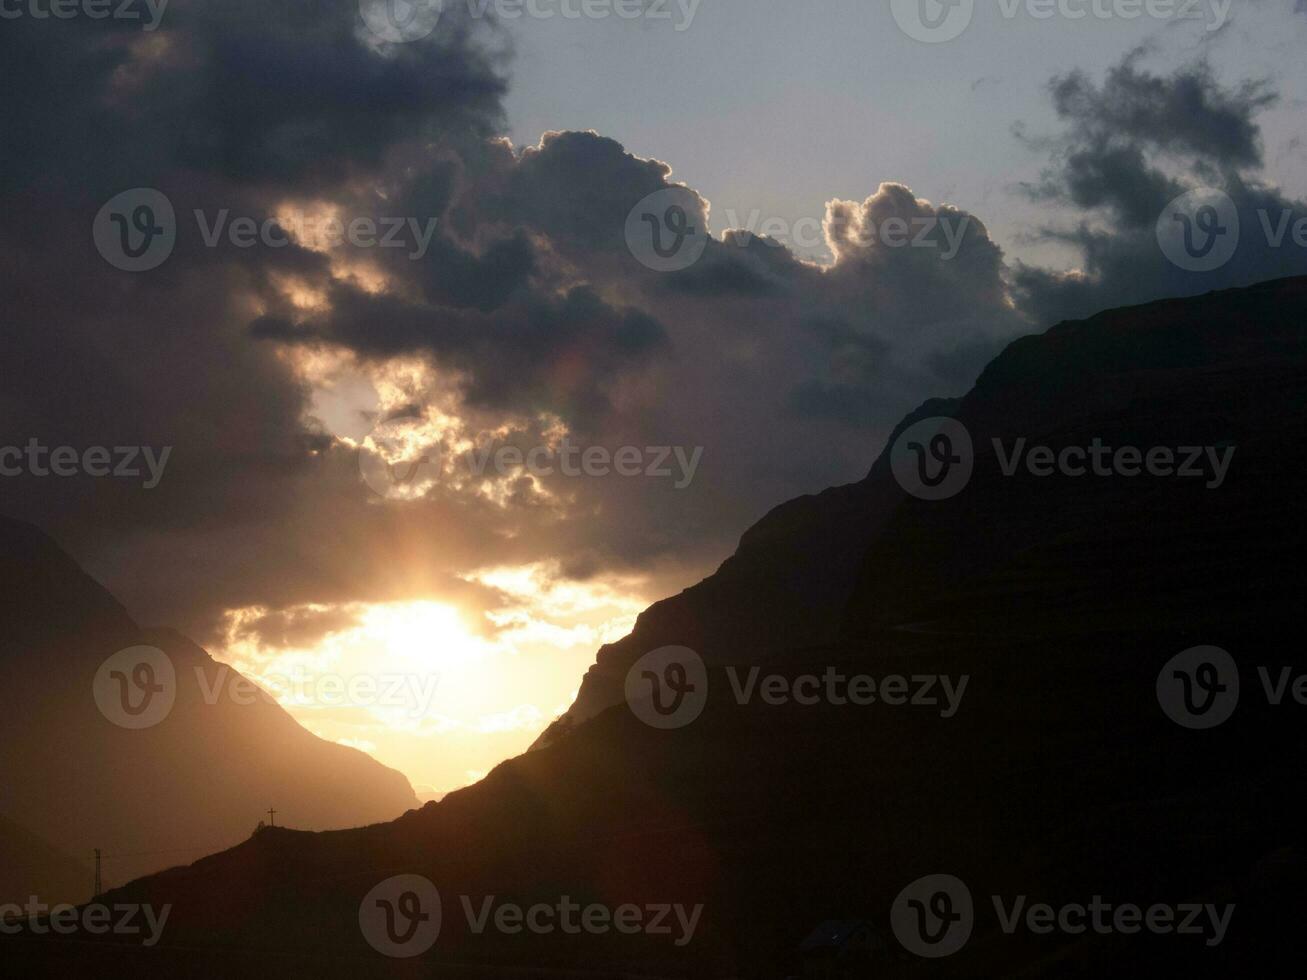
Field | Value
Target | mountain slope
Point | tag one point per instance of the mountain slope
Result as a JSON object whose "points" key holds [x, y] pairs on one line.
{"points": [[784, 587], [197, 781], [31, 866], [1058, 778]]}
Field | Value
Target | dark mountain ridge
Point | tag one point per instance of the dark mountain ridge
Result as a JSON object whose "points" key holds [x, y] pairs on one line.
{"points": [[195, 782], [1059, 778]]}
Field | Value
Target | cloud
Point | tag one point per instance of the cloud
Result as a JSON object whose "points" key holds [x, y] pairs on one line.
{"points": [[1129, 147], [1186, 112], [526, 319]]}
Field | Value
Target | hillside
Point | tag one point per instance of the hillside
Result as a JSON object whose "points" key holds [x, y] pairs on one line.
{"points": [[1061, 600]]}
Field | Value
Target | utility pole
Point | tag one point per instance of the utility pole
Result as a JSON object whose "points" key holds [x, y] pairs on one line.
{"points": [[272, 817], [99, 885]]}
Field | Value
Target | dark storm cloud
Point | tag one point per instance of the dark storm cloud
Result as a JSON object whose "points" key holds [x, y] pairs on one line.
{"points": [[1130, 147], [1188, 111], [521, 357], [527, 308], [1112, 176], [741, 264], [237, 105], [245, 89], [577, 188]]}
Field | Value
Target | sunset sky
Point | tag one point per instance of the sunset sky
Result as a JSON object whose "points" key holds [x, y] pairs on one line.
{"points": [[287, 378]]}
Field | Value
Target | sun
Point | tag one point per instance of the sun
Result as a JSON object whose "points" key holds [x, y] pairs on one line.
{"points": [[420, 635], [434, 689]]}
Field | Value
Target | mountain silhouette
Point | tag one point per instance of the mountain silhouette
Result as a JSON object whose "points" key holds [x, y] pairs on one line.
{"points": [[1059, 777], [197, 781], [30, 865]]}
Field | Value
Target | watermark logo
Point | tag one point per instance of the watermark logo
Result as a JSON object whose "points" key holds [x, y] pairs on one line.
{"points": [[938, 691], [412, 693], [933, 459], [317, 232], [1199, 230], [398, 460], [936, 21], [400, 917], [120, 462], [152, 13], [94, 919], [668, 687], [572, 918], [1199, 688], [663, 233], [1211, 464], [648, 10], [401, 21], [136, 687], [933, 21], [1209, 922], [136, 230], [946, 234], [933, 917]]}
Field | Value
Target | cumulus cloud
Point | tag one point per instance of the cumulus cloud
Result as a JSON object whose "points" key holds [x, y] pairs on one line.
{"points": [[526, 318], [1129, 147]]}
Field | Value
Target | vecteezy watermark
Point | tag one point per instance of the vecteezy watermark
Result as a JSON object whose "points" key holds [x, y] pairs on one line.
{"points": [[1199, 688], [943, 233], [668, 688], [411, 692], [934, 459], [149, 11], [401, 21], [1200, 230], [119, 462], [837, 689], [317, 232], [649, 10], [934, 917], [401, 917], [937, 21], [665, 230], [136, 231], [94, 919], [137, 688], [396, 462], [663, 233]]}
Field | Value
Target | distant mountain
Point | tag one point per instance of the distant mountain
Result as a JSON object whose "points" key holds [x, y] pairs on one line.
{"points": [[1059, 777], [199, 780], [31, 866]]}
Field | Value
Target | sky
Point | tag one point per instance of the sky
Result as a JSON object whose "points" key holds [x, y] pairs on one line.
{"points": [[464, 443], [776, 106]]}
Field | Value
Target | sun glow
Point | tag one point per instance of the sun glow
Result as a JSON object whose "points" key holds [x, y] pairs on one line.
{"points": [[425, 686]]}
